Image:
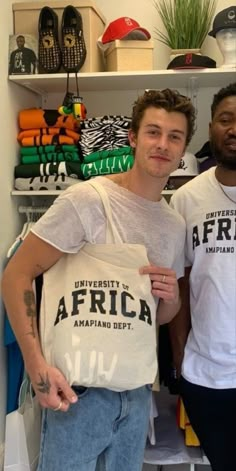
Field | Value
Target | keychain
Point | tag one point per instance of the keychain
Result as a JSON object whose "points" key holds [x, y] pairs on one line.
{"points": [[73, 103]]}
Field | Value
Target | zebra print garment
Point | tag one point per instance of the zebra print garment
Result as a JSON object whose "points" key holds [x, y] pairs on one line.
{"points": [[104, 133]]}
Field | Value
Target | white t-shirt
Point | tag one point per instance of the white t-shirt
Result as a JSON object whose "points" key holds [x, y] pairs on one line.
{"points": [[210, 352], [77, 216]]}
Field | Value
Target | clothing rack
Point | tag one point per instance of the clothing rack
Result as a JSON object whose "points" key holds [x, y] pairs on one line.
{"points": [[33, 213], [28, 210]]}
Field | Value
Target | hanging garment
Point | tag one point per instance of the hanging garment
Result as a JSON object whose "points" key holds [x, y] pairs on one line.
{"points": [[98, 316]]}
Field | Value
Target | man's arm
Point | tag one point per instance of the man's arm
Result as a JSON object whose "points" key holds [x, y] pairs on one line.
{"points": [[11, 63], [34, 62], [32, 259], [180, 326]]}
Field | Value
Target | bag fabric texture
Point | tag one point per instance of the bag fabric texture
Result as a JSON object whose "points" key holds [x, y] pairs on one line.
{"points": [[22, 436], [98, 316]]}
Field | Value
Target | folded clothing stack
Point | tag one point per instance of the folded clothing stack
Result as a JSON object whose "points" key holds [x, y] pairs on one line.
{"points": [[101, 147], [45, 137]]}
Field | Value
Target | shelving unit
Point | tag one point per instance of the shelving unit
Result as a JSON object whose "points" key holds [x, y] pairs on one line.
{"points": [[44, 84], [193, 80]]}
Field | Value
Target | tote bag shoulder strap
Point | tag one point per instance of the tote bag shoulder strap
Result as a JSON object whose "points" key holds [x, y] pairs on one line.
{"points": [[112, 235]]}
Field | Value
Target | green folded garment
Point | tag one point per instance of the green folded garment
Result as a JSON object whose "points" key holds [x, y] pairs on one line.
{"points": [[35, 150], [50, 157], [107, 166], [70, 169], [104, 154]]}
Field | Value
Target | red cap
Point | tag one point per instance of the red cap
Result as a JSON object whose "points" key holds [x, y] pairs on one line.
{"points": [[120, 27]]}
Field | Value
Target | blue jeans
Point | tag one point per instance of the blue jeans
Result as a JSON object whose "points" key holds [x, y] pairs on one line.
{"points": [[103, 431]]}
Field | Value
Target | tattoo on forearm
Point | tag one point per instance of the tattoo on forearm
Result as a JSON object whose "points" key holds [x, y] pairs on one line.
{"points": [[44, 385], [30, 309]]}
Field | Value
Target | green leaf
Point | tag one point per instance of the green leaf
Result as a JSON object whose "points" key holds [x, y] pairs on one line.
{"points": [[186, 22]]}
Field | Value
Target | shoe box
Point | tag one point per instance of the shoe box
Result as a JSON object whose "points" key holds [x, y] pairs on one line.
{"points": [[26, 21], [124, 55]]}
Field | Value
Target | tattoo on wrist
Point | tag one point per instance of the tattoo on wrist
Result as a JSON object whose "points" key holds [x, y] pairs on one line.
{"points": [[30, 308], [44, 385]]}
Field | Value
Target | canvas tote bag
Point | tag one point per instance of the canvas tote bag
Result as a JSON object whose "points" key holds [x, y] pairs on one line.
{"points": [[98, 316]]}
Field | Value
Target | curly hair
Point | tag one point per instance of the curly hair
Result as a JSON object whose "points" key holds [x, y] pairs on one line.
{"points": [[225, 92], [170, 100]]}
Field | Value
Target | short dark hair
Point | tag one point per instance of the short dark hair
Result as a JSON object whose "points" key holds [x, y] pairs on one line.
{"points": [[170, 100], [225, 92]]}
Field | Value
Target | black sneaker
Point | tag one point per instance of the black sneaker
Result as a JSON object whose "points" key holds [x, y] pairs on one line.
{"points": [[49, 48], [73, 44]]}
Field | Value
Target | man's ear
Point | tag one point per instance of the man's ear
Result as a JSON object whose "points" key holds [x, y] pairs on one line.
{"points": [[132, 138]]}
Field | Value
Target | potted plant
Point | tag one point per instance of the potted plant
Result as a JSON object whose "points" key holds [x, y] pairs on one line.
{"points": [[186, 23]]}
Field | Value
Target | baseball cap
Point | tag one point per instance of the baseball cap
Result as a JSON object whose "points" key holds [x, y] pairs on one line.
{"points": [[223, 20], [191, 61], [188, 166], [121, 27]]}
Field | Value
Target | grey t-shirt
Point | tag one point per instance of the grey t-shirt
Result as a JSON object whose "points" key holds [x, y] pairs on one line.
{"points": [[77, 216]]}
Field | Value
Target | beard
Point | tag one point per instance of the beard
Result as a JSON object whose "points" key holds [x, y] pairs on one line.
{"points": [[225, 159]]}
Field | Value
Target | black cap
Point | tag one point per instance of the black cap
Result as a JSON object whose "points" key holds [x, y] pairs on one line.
{"points": [[223, 20], [191, 61]]}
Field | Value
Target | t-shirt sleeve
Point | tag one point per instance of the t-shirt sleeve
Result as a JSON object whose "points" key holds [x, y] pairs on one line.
{"points": [[179, 262], [61, 226], [175, 203], [33, 56]]}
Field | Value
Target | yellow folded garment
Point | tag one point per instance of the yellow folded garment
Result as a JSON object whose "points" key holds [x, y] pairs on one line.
{"points": [[184, 423]]}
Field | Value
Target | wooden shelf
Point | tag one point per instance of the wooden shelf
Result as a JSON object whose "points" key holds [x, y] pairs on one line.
{"points": [[44, 84]]}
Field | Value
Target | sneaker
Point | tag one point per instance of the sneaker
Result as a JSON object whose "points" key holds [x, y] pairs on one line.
{"points": [[49, 48], [73, 44]]}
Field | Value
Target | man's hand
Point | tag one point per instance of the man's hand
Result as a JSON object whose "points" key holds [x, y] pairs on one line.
{"points": [[52, 389], [164, 286], [164, 283]]}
